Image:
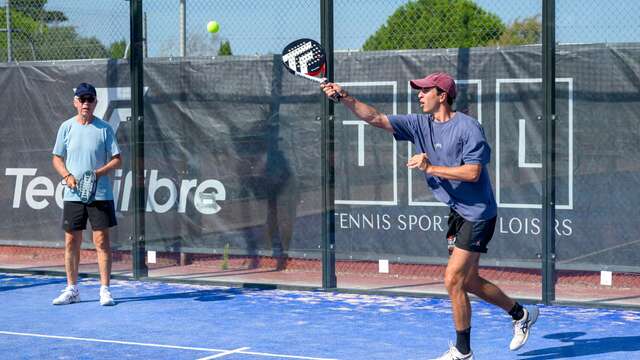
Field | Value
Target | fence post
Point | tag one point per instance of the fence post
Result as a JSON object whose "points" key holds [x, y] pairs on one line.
{"points": [[329, 280], [549, 151], [137, 141]]}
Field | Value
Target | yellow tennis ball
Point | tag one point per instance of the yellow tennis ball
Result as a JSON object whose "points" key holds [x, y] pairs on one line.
{"points": [[213, 26]]}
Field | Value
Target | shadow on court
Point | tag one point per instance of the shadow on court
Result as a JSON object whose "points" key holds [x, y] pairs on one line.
{"points": [[580, 347], [17, 283], [200, 295]]}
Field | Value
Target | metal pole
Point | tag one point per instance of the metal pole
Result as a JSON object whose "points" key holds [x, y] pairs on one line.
{"points": [[144, 37], [137, 141], [9, 31], [549, 151], [329, 280], [183, 28]]}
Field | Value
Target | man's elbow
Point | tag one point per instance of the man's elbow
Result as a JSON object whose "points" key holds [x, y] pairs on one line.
{"points": [[474, 174]]}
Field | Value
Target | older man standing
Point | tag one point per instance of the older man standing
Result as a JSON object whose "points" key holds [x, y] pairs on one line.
{"points": [[86, 143]]}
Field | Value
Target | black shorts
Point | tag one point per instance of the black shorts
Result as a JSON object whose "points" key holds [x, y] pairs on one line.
{"points": [[101, 213], [470, 235]]}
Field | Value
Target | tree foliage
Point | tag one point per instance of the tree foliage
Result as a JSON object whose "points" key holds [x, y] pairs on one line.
{"points": [[117, 49], [64, 43], [522, 32], [35, 10], [225, 49], [38, 35], [431, 24]]}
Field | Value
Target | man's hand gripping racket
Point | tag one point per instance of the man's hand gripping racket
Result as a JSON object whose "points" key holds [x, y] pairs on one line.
{"points": [[306, 58]]}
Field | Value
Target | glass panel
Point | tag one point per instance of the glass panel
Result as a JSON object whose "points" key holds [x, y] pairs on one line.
{"points": [[597, 247], [391, 230], [232, 146], [39, 100]]}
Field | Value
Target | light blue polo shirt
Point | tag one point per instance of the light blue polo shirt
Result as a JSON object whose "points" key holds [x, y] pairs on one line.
{"points": [[86, 147], [452, 143]]}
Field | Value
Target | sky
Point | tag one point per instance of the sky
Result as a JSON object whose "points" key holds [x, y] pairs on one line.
{"points": [[265, 26]]}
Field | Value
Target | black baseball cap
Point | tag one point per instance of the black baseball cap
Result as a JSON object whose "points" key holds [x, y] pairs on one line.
{"points": [[84, 89]]}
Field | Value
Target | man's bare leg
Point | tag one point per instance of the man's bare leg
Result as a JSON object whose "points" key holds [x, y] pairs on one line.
{"points": [[486, 290], [459, 265], [72, 243], [523, 318], [103, 249]]}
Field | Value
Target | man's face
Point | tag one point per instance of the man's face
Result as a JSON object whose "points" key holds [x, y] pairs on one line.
{"points": [[429, 99], [85, 105]]}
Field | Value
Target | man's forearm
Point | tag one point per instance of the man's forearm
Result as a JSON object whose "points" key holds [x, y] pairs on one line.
{"points": [[112, 164], [59, 167], [467, 173], [365, 112]]}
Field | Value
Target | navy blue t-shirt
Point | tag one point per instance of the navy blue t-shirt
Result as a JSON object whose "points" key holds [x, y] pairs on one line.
{"points": [[452, 143]]}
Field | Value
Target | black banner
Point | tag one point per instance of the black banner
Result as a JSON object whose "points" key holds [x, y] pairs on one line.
{"points": [[232, 152]]}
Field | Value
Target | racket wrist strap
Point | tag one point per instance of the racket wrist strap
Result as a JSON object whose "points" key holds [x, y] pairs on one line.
{"points": [[344, 94]]}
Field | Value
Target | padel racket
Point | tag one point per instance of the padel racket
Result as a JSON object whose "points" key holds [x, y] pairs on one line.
{"points": [[306, 58], [86, 186]]}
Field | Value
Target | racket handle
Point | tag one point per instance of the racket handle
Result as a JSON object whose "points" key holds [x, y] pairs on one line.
{"points": [[335, 97]]}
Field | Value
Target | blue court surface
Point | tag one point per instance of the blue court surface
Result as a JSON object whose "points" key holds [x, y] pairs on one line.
{"points": [[176, 321]]}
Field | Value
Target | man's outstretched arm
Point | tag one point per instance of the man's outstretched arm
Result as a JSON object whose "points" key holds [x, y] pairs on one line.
{"points": [[364, 112]]}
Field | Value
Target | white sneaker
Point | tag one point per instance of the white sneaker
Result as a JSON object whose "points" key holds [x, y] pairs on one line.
{"points": [[454, 354], [105, 297], [69, 296], [522, 328]]}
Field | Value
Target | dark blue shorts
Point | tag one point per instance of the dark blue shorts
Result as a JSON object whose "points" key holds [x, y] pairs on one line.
{"points": [[470, 235]]}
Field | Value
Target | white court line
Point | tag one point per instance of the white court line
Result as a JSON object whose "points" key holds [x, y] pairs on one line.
{"points": [[159, 345], [216, 356]]}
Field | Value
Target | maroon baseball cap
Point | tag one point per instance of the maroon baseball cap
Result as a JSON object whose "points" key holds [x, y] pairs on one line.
{"points": [[441, 80]]}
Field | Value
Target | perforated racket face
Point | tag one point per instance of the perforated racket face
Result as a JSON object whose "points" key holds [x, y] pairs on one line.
{"points": [[304, 56], [86, 186]]}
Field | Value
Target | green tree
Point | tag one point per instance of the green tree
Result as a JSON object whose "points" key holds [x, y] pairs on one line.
{"points": [[433, 24], [35, 10], [225, 48], [117, 49], [64, 43], [522, 32], [22, 40], [29, 24]]}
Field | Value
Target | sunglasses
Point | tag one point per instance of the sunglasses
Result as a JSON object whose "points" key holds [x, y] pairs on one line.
{"points": [[84, 99]]}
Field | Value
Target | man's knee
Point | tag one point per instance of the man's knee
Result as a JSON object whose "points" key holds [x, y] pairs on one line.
{"points": [[72, 239], [101, 239], [453, 280], [472, 282]]}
